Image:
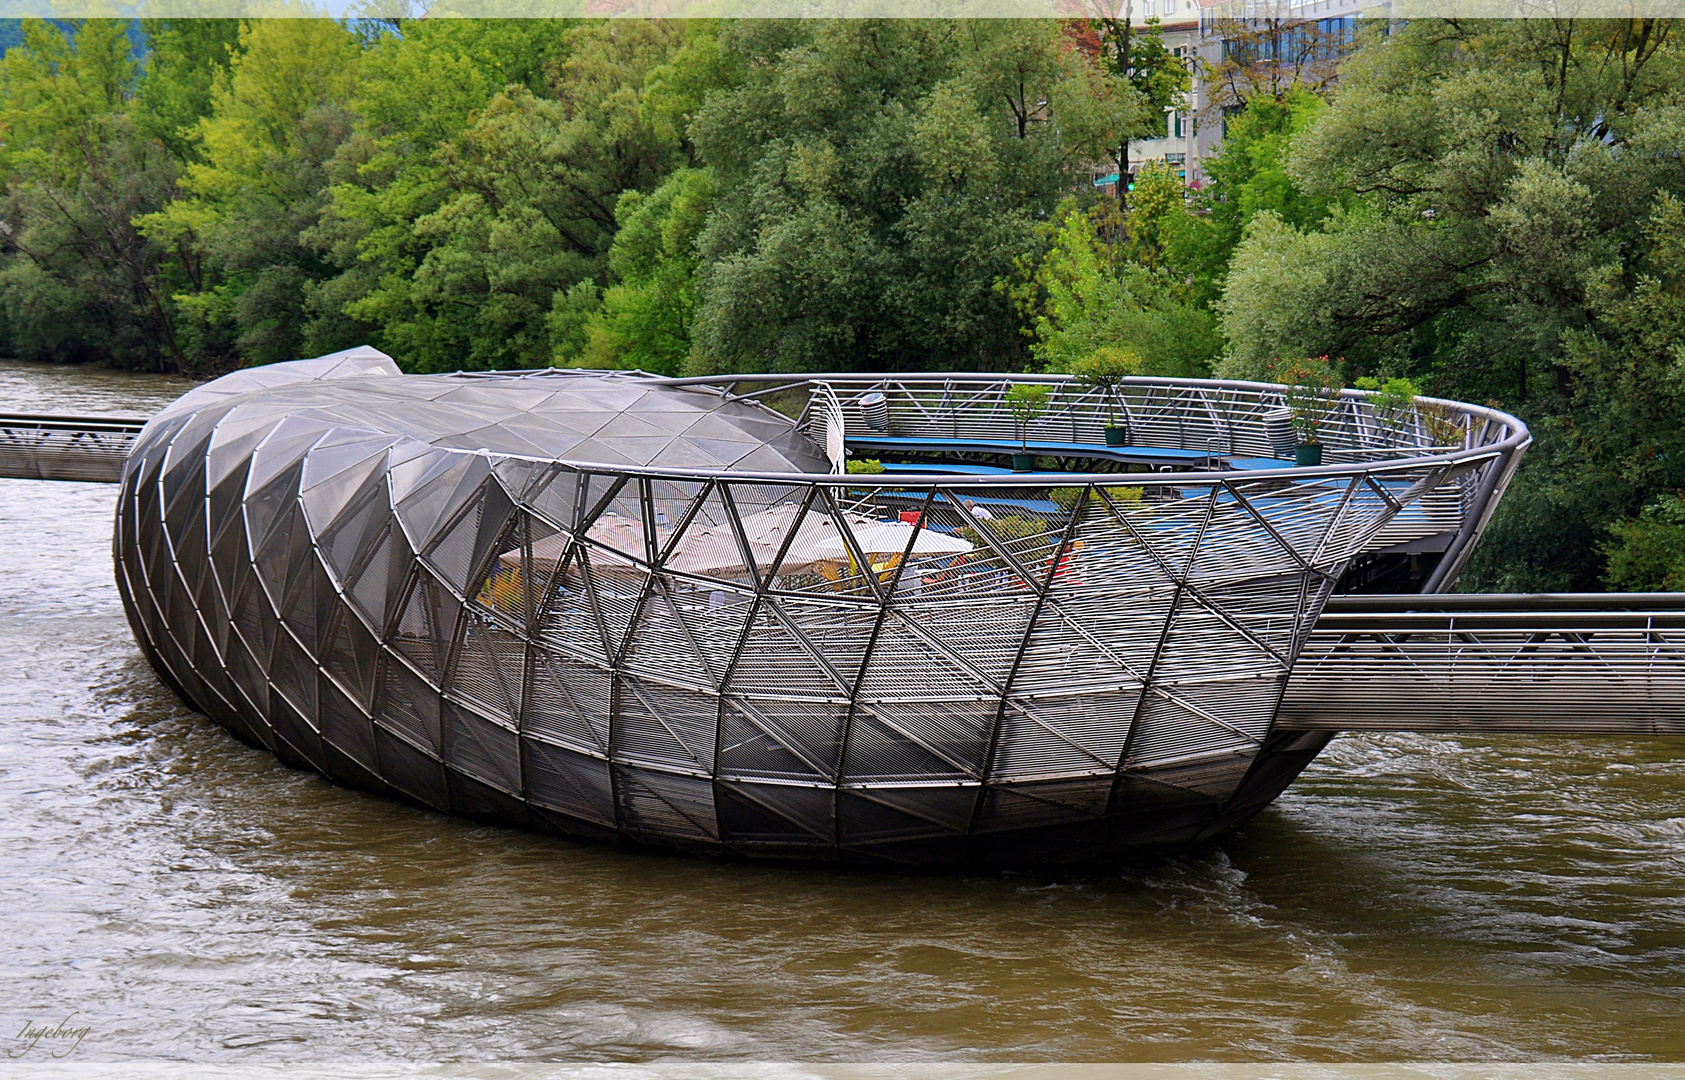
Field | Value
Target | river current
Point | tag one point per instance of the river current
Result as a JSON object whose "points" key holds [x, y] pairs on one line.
{"points": [[189, 898]]}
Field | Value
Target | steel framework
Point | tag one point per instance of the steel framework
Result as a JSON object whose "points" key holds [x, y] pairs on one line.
{"points": [[618, 606]]}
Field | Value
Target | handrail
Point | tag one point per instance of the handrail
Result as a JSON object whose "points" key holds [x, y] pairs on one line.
{"points": [[1565, 663], [35, 446]]}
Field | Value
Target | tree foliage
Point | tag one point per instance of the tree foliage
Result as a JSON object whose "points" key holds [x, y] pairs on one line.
{"points": [[877, 178], [1490, 209]]}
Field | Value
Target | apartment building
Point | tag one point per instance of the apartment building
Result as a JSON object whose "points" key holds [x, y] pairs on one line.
{"points": [[1205, 35]]}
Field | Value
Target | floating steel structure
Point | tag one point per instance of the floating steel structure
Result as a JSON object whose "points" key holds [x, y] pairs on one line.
{"points": [[616, 606]]}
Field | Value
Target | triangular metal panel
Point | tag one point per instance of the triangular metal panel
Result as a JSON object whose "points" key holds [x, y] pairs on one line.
{"points": [[776, 663], [351, 658], [480, 748], [665, 725], [1026, 806], [281, 449], [710, 545], [617, 593], [791, 740], [572, 783], [488, 668], [1364, 515], [349, 535], [1099, 642], [1197, 720], [438, 503], [326, 495], [265, 506], [426, 625], [346, 728], [665, 644], [1060, 736], [1300, 513], [377, 583], [670, 807], [567, 620], [451, 554], [949, 809], [567, 702], [781, 814], [1169, 534], [876, 751], [409, 707], [293, 674], [237, 434], [906, 665], [1239, 545]]}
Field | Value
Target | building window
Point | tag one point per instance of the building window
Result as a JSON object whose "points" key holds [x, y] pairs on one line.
{"points": [[1178, 125]]}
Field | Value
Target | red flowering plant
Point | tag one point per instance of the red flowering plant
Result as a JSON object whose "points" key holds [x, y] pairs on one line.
{"points": [[1313, 387]]}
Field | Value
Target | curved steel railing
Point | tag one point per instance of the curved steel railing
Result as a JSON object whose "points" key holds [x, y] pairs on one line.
{"points": [[1209, 418]]}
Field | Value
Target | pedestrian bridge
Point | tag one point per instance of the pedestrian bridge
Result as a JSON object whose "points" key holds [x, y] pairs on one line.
{"points": [[36, 447], [1572, 664]]}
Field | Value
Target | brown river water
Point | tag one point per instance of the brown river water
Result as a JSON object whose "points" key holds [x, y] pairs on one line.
{"points": [[189, 898]]}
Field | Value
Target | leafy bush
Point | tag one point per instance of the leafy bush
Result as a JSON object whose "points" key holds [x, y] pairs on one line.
{"points": [[1648, 552]]}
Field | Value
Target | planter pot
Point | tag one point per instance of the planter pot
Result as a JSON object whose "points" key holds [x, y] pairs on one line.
{"points": [[1307, 454], [1117, 436], [1023, 463]]}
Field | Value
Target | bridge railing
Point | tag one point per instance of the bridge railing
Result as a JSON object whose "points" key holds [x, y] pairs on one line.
{"points": [[1233, 418], [1596, 663], [35, 447], [1209, 416]]}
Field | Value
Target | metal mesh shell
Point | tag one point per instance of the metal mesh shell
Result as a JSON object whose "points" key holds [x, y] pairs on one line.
{"points": [[610, 606]]}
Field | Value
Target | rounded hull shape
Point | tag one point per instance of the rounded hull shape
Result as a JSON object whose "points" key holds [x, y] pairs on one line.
{"points": [[618, 607]]}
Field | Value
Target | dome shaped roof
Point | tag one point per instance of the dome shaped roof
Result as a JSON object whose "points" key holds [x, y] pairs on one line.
{"points": [[609, 418]]}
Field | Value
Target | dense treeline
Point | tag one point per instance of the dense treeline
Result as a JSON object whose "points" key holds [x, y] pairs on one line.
{"points": [[480, 194], [1493, 210]]}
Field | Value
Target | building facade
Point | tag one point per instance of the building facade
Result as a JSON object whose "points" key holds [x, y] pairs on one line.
{"points": [[1224, 43]]}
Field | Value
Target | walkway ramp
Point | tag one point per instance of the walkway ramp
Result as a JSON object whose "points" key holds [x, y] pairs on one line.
{"points": [[1572, 664], [34, 447]]}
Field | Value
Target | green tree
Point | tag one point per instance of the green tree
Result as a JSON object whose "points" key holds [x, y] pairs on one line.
{"points": [[1497, 196], [78, 281], [645, 319], [1484, 169], [418, 92], [1648, 552], [1616, 454], [517, 209], [1160, 77], [1086, 296], [278, 115], [877, 178], [185, 58]]}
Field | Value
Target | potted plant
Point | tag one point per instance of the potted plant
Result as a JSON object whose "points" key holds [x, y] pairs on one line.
{"points": [[1104, 370], [1027, 401], [1313, 387]]}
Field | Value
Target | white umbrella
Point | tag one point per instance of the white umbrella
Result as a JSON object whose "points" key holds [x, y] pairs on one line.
{"points": [[890, 538], [625, 536], [714, 551]]}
